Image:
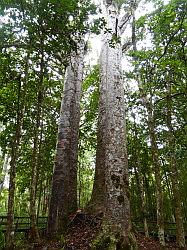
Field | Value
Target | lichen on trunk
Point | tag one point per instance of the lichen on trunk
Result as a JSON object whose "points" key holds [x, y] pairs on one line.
{"points": [[111, 238]]}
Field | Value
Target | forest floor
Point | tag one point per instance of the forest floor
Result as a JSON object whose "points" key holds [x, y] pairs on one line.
{"points": [[82, 230]]}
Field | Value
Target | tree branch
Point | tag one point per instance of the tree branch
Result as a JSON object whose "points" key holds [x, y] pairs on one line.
{"points": [[171, 38], [126, 45], [124, 21]]}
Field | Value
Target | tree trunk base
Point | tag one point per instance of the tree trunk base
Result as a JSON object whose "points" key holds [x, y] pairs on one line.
{"points": [[34, 235], [112, 238]]}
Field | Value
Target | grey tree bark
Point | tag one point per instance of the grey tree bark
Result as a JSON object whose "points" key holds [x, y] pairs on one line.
{"points": [[156, 165], [180, 234], [154, 147], [22, 89], [64, 184], [111, 188], [34, 234], [140, 181]]}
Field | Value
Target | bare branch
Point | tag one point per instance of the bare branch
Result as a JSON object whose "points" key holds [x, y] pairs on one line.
{"points": [[124, 20], [126, 46], [14, 45]]}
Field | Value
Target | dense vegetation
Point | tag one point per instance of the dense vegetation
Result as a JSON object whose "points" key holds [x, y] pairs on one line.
{"points": [[37, 39]]}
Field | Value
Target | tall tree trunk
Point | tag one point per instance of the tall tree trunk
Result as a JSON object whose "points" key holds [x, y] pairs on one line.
{"points": [[169, 191], [156, 165], [154, 148], [34, 234], [40, 176], [39, 199], [111, 188], [64, 184], [174, 172], [22, 90], [45, 199], [149, 198], [140, 182]]}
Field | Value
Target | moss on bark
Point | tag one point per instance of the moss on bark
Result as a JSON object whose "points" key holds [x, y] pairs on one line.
{"points": [[110, 238]]}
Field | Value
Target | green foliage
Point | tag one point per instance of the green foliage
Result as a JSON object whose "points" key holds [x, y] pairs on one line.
{"points": [[101, 243], [11, 77], [87, 133], [89, 108], [29, 32], [2, 240], [162, 63]]}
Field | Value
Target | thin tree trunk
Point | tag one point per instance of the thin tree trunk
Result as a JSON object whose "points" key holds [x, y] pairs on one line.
{"points": [[158, 178], [154, 148], [39, 200], [12, 184], [64, 184], [14, 156], [34, 234], [174, 173], [140, 183], [149, 199], [169, 190], [80, 186], [39, 172], [44, 209]]}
